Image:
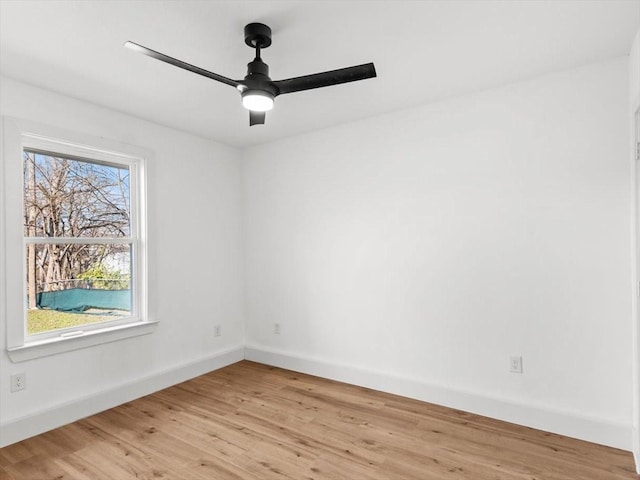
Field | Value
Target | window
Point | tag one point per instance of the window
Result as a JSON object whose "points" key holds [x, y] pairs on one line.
{"points": [[79, 243], [80, 264]]}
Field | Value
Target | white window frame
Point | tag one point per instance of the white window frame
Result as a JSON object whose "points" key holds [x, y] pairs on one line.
{"points": [[19, 135]]}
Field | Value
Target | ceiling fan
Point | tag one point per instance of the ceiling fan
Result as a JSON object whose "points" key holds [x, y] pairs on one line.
{"points": [[257, 89]]}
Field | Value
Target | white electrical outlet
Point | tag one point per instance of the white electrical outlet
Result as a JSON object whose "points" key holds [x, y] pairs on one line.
{"points": [[18, 382], [515, 364], [276, 328], [217, 330]]}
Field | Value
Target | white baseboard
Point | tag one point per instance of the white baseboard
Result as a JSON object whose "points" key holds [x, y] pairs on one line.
{"points": [[563, 423], [45, 420]]}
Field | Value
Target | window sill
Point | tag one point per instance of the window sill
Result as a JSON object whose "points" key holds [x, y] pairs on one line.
{"points": [[53, 346]]}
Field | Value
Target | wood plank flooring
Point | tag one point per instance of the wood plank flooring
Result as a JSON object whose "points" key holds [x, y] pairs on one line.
{"points": [[249, 421]]}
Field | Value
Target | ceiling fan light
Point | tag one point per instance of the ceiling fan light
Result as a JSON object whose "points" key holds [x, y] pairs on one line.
{"points": [[257, 100]]}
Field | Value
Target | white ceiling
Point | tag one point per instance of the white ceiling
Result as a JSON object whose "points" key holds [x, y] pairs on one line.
{"points": [[423, 51]]}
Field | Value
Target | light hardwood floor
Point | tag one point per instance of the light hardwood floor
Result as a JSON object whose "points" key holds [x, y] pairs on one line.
{"points": [[249, 421]]}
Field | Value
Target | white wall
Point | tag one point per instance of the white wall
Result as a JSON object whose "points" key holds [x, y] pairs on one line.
{"points": [[417, 251], [195, 279], [634, 72], [634, 106]]}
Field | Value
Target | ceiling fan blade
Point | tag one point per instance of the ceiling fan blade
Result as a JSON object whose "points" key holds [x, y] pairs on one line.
{"points": [[326, 79], [179, 63], [256, 118]]}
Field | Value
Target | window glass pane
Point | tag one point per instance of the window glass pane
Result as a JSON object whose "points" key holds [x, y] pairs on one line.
{"points": [[72, 284], [66, 197]]}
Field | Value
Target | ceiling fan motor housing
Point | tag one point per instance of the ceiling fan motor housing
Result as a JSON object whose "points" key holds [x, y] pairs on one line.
{"points": [[258, 77]]}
